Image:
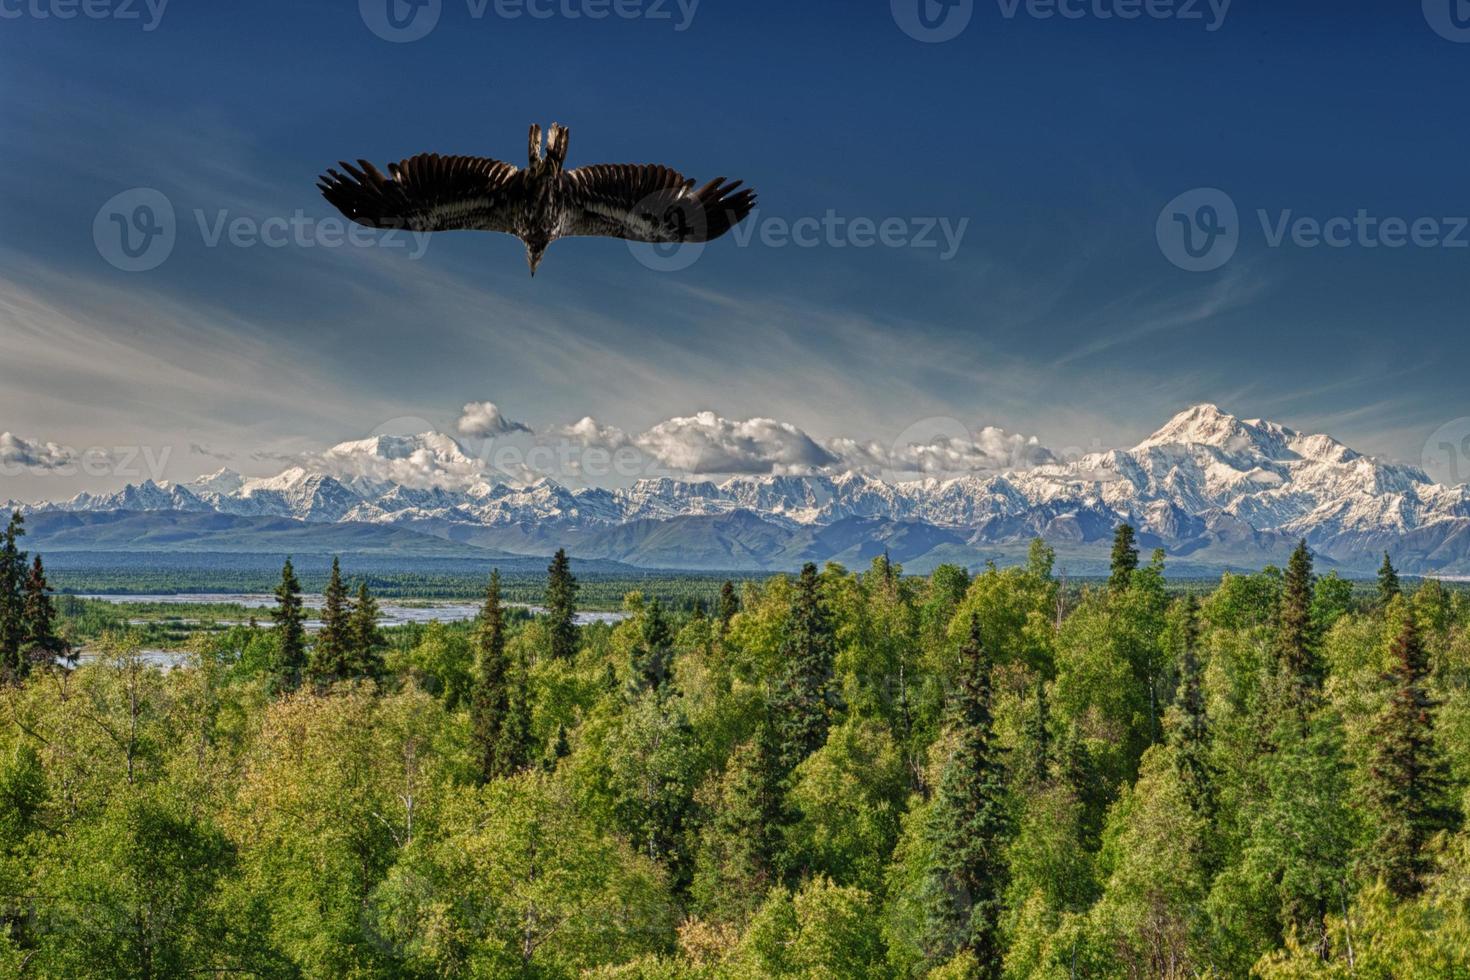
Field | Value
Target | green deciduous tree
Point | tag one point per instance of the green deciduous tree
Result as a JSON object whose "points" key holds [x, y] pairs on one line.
{"points": [[1150, 918], [653, 770], [521, 884], [133, 893], [824, 930], [846, 799]]}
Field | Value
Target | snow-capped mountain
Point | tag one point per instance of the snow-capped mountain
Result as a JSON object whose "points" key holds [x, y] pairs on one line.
{"points": [[1207, 485]]}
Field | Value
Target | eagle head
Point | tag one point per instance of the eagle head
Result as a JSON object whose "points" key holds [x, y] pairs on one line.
{"points": [[535, 249]]}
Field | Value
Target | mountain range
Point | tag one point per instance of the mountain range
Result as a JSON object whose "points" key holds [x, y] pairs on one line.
{"points": [[1213, 490]]}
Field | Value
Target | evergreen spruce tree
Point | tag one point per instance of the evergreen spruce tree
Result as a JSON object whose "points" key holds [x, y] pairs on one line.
{"points": [[1388, 581], [728, 606], [802, 704], [12, 601], [42, 645], [1124, 559], [331, 652], [969, 827], [1406, 777], [560, 749], [517, 749], [1186, 726], [490, 699], [1295, 644], [653, 654], [561, 607], [1038, 737], [365, 641], [884, 566], [740, 854], [1077, 768], [290, 631]]}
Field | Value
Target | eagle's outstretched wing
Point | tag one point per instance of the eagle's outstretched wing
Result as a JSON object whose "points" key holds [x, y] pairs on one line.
{"points": [[650, 203], [428, 192]]}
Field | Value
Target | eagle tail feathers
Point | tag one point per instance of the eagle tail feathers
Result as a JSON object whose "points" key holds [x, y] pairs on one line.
{"points": [[557, 138]]}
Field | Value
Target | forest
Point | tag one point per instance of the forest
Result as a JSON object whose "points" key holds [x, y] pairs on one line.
{"points": [[841, 773]]}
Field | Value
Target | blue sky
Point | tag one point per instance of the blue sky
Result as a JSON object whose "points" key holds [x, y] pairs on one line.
{"points": [[1054, 142]]}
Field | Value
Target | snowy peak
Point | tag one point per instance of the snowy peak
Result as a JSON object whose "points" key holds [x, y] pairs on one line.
{"points": [[222, 481], [1207, 425], [428, 445]]}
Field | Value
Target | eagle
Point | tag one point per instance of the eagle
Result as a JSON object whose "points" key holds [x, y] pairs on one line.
{"points": [[544, 202]]}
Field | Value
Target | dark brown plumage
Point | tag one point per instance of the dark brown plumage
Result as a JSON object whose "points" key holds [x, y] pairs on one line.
{"points": [[544, 202]]}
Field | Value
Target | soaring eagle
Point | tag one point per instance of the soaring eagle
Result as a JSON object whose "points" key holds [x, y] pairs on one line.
{"points": [[544, 202]]}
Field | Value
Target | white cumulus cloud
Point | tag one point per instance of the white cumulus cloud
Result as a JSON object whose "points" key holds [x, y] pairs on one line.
{"points": [[17, 453], [707, 443], [593, 434], [481, 420], [989, 450]]}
